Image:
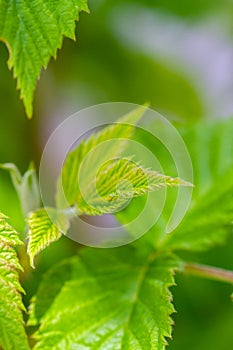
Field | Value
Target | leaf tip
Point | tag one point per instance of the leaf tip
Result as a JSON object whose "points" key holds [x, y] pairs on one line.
{"points": [[32, 263]]}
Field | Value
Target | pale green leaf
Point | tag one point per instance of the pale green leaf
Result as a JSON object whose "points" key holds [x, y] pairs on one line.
{"points": [[12, 333], [108, 299], [105, 144], [26, 186], [33, 31], [45, 226], [119, 181]]}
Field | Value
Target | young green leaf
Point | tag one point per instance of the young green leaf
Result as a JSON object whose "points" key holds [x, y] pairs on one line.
{"points": [[26, 186], [108, 143], [45, 226], [12, 333], [96, 189], [112, 299], [33, 31], [117, 182], [104, 186]]}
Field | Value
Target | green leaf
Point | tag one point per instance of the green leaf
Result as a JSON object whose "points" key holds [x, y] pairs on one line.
{"points": [[26, 186], [111, 299], [209, 221], [45, 226], [33, 31], [119, 181], [12, 333], [210, 144], [95, 181], [107, 144], [210, 218]]}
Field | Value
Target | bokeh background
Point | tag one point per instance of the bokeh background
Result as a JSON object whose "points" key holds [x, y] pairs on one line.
{"points": [[176, 54]]}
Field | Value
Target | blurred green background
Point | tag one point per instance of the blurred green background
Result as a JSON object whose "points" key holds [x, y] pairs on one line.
{"points": [[176, 54]]}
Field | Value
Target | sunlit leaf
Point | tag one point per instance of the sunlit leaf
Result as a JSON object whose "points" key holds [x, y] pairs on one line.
{"points": [[117, 182], [111, 299]]}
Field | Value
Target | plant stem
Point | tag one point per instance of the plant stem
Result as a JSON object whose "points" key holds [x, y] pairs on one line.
{"points": [[213, 273]]}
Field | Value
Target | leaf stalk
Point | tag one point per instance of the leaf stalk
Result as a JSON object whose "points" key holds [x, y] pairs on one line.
{"points": [[210, 272]]}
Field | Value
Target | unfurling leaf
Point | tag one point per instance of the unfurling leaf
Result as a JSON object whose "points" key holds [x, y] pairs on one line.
{"points": [[107, 143], [45, 226], [96, 181], [26, 186], [117, 182]]}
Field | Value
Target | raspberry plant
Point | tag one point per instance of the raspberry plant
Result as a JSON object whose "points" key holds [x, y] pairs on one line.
{"points": [[116, 298]]}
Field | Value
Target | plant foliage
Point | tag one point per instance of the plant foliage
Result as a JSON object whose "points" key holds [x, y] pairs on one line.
{"points": [[33, 31], [117, 182], [107, 186], [210, 217], [26, 186], [119, 298], [46, 225], [109, 301], [12, 333], [110, 142]]}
